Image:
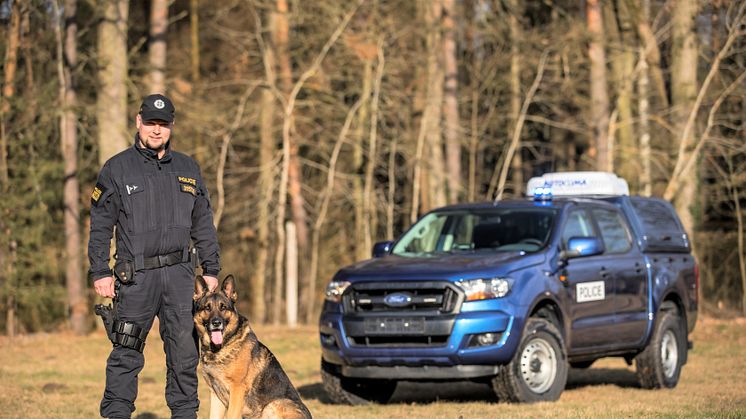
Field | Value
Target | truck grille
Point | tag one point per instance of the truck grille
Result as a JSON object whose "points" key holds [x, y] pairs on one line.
{"points": [[400, 314], [399, 341], [426, 297]]}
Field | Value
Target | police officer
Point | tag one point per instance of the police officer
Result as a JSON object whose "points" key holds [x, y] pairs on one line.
{"points": [[158, 202]]}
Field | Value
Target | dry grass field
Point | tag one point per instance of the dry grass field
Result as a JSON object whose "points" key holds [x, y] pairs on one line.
{"points": [[62, 376]]}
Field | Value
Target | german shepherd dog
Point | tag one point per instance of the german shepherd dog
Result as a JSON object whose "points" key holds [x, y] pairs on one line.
{"points": [[243, 375]]}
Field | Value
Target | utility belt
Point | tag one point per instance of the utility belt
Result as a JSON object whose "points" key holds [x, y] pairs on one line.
{"points": [[128, 334], [124, 270]]}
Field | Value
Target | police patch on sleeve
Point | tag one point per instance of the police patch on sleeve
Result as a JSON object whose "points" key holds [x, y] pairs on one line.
{"points": [[189, 188], [187, 180], [98, 191]]}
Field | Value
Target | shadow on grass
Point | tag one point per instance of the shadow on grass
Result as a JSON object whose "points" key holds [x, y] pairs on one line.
{"points": [[474, 391], [579, 378], [419, 392]]}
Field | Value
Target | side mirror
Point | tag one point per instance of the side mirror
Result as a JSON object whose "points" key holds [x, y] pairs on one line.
{"points": [[382, 249], [582, 246]]}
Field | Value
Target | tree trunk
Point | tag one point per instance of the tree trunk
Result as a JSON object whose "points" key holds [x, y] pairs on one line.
{"points": [[32, 98], [640, 12], [266, 185], [515, 91], [619, 28], [683, 96], [358, 163], [450, 103], [280, 40], [9, 85], [599, 96], [8, 92], [157, 46], [433, 107], [646, 177], [67, 58], [740, 240], [291, 288], [111, 111], [295, 171], [369, 194], [194, 38]]}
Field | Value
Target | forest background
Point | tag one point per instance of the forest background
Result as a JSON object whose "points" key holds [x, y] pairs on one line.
{"points": [[324, 126]]}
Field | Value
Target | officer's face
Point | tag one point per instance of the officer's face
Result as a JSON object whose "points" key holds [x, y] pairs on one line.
{"points": [[154, 134]]}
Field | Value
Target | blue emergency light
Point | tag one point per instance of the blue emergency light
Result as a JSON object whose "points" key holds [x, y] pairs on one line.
{"points": [[543, 193]]}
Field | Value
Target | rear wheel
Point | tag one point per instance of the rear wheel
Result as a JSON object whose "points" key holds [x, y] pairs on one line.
{"points": [[659, 365], [538, 370], [354, 391]]}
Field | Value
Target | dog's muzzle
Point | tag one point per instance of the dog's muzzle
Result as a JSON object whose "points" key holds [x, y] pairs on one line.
{"points": [[215, 328]]}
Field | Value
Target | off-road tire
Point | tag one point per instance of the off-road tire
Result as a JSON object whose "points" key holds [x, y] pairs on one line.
{"points": [[659, 364], [354, 391], [514, 383]]}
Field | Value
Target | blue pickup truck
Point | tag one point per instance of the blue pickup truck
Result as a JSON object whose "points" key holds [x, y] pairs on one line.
{"points": [[514, 293]]}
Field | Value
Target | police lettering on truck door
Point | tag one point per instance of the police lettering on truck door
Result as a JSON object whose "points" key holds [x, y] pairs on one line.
{"points": [[590, 291]]}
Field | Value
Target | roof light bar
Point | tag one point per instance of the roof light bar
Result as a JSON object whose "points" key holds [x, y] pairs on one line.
{"points": [[576, 184]]}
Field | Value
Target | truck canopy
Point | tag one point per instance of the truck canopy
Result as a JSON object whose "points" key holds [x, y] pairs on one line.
{"points": [[656, 225]]}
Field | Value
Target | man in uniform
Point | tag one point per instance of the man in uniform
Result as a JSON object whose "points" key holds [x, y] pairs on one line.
{"points": [[158, 202]]}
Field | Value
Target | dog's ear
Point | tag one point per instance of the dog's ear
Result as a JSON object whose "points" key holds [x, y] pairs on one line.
{"points": [[229, 287], [200, 287]]}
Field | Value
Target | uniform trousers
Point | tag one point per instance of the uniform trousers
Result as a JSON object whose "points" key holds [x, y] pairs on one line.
{"points": [[165, 292]]}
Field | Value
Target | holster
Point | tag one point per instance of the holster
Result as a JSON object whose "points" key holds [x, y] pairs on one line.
{"points": [[126, 334]]}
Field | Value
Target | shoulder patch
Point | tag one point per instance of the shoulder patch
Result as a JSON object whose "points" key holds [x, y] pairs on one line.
{"points": [[187, 180], [189, 188], [98, 192]]}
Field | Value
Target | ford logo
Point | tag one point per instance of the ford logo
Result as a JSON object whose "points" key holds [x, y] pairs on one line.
{"points": [[398, 299]]}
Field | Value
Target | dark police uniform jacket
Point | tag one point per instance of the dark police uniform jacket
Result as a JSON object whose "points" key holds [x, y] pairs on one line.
{"points": [[157, 207]]}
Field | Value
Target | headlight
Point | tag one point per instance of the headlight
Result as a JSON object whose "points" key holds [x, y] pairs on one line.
{"points": [[485, 289], [335, 289]]}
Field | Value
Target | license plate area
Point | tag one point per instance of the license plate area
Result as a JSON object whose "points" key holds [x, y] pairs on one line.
{"points": [[394, 326]]}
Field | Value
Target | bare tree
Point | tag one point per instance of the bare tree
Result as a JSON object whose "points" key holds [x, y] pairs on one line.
{"points": [[451, 130], [599, 95], [294, 168], [429, 180], [266, 175], [67, 59], [287, 146], [643, 106], [683, 96], [9, 86], [9, 73], [369, 213], [111, 111], [623, 45], [157, 46], [514, 24], [194, 39]]}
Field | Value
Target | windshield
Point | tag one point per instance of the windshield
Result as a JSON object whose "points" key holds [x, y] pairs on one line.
{"points": [[493, 229]]}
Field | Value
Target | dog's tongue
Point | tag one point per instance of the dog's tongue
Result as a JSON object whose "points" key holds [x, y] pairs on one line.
{"points": [[216, 337]]}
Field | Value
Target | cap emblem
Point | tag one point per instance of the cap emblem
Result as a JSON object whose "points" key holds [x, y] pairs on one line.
{"points": [[159, 104]]}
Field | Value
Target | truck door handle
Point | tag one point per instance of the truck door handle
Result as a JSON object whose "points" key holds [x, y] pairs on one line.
{"points": [[604, 273]]}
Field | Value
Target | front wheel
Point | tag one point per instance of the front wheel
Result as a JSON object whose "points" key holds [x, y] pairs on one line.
{"points": [[354, 391], [659, 365], [538, 370]]}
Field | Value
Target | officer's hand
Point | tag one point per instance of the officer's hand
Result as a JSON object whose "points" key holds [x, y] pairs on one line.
{"points": [[211, 282], [105, 286]]}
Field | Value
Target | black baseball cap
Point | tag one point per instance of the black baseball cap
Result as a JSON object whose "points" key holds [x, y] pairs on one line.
{"points": [[157, 107]]}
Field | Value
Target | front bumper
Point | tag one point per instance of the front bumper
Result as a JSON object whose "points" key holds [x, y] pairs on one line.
{"points": [[452, 359], [425, 372]]}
